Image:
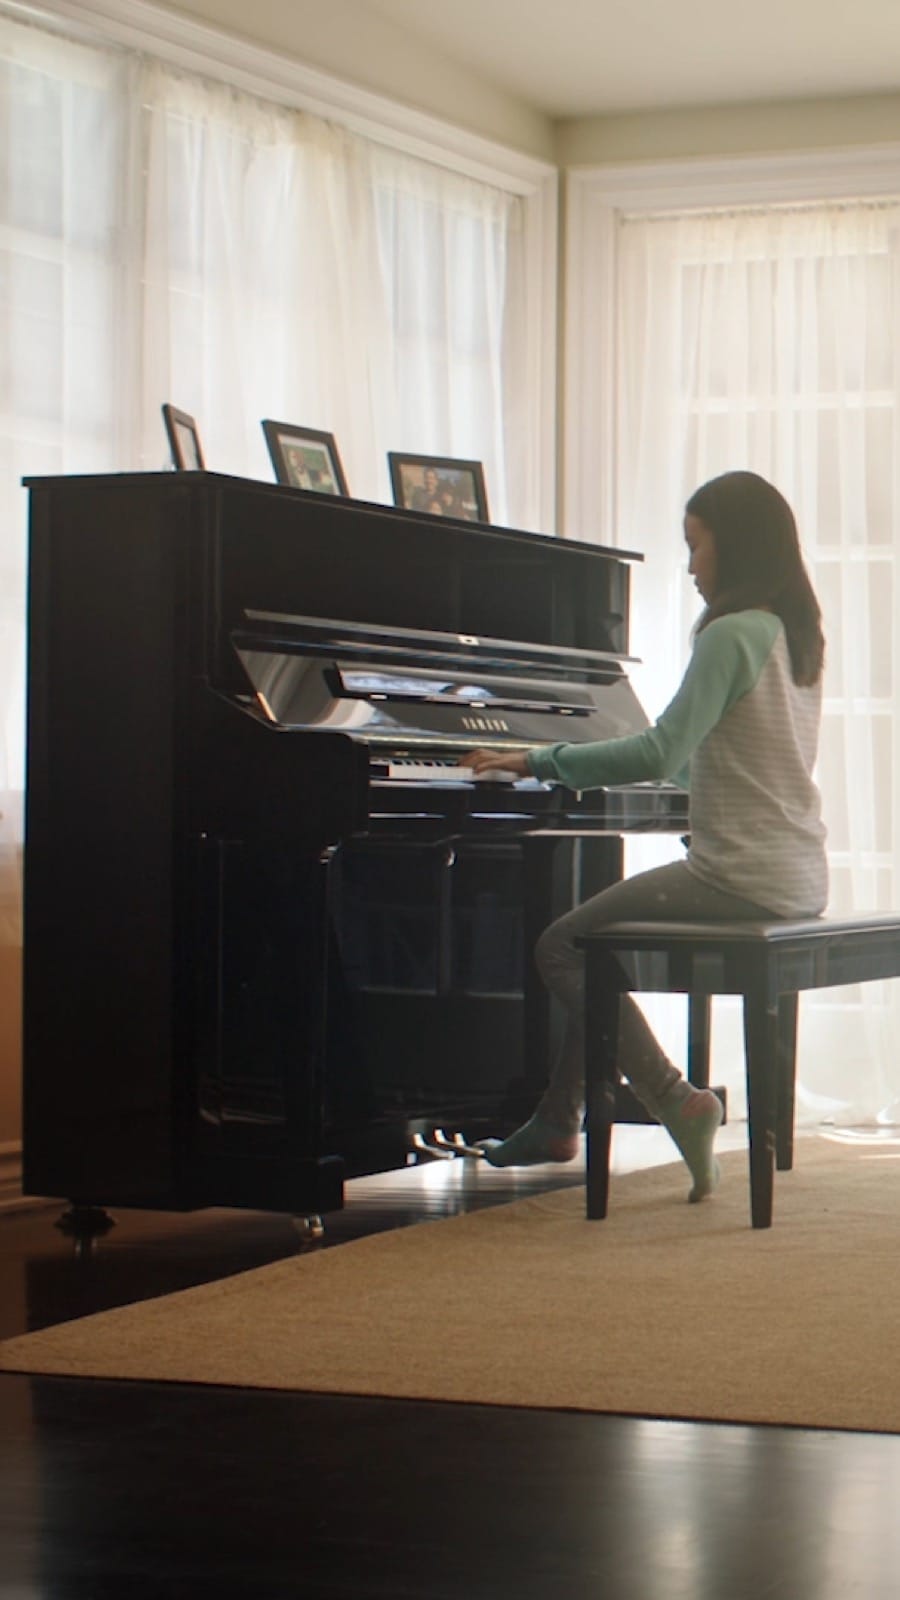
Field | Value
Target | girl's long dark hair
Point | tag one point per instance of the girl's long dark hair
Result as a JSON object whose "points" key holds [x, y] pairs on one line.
{"points": [[758, 563]]}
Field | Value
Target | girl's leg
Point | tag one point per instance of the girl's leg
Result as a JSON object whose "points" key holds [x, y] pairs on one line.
{"points": [[692, 1117]]}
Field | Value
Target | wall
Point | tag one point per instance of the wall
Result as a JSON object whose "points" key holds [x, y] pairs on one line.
{"points": [[10, 973], [344, 38], [776, 126]]}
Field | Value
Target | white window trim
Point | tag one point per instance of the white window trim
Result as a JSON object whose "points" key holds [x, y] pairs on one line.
{"points": [[203, 48], [596, 199]]}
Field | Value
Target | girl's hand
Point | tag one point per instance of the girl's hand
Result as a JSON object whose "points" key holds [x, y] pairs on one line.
{"points": [[497, 761]]}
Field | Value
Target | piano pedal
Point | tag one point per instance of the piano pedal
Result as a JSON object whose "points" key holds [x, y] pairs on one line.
{"points": [[429, 1152], [457, 1144]]}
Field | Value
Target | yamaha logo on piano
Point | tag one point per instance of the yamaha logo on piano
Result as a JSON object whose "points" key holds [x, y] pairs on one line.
{"points": [[486, 724]]}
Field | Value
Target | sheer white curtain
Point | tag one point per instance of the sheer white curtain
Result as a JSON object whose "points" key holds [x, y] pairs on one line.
{"points": [[164, 237], [258, 293], [58, 276], [294, 270], [771, 341], [451, 261]]}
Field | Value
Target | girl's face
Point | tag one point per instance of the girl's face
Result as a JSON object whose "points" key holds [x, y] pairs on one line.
{"points": [[702, 557]]}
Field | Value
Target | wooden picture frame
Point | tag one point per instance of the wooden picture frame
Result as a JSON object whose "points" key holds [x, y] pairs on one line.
{"points": [[305, 458], [439, 486], [184, 440]]}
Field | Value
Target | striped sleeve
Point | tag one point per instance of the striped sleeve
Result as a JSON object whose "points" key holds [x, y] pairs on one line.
{"points": [[726, 662]]}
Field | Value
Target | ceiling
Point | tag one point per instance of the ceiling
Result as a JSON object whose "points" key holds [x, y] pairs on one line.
{"points": [[576, 58]]}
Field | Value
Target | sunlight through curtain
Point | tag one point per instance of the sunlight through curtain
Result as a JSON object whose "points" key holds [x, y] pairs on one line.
{"points": [[771, 341]]}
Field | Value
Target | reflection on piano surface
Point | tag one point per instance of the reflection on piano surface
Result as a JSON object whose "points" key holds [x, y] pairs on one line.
{"points": [[274, 930]]}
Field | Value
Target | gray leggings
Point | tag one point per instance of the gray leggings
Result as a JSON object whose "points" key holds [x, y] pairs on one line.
{"points": [[666, 893]]}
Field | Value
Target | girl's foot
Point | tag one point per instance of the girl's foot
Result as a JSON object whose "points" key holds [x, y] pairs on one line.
{"points": [[693, 1117], [535, 1143]]}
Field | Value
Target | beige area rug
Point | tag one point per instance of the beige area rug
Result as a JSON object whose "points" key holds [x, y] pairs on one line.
{"points": [[663, 1310]]}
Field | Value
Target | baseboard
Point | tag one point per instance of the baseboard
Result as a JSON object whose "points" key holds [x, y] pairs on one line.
{"points": [[11, 1196]]}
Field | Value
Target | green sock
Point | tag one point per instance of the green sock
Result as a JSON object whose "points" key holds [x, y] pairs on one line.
{"points": [[693, 1117], [535, 1143]]}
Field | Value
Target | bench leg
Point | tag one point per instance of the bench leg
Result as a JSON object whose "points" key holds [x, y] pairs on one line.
{"points": [[601, 1037], [761, 1043], [699, 1006], [787, 1078]]}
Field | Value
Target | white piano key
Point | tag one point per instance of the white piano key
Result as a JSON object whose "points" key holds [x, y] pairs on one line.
{"points": [[448, 771]]}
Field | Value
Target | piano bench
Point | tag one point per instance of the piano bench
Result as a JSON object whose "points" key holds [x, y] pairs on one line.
{"points": [[769, 964]]}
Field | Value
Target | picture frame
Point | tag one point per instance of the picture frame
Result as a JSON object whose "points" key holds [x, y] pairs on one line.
{"points": [[439, 486], [305, 458], [184, 440]]}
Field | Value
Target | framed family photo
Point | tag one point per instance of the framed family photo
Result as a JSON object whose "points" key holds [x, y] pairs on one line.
{"points": [[439, 485], [305, 458], [184, 440]]}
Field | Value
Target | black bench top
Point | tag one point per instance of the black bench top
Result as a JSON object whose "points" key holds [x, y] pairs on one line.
{"points": [[824, 927]]}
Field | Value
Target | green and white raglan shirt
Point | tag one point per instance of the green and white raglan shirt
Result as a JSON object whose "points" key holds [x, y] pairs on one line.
{"points": [[744, 737]]}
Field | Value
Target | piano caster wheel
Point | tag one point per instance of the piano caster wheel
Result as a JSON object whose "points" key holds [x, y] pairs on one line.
{"points": [[85, 1226], [310, 1229]]}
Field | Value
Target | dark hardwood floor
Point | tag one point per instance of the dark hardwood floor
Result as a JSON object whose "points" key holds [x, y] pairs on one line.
{"points": [[132, 1490]]}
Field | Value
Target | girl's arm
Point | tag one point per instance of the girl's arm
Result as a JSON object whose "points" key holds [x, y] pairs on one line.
{"points": [[727, 659]]}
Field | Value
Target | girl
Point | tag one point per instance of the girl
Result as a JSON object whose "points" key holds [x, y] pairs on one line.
{"points": [[745, 725]]}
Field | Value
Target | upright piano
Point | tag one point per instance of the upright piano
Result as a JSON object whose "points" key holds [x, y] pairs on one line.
{"points": [[275, 936]]}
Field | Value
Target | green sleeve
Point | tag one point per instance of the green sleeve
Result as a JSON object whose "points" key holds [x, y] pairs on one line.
{"points": [[727, 659]]}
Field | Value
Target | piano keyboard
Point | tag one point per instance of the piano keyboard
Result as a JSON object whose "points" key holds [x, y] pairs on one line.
{"points": [[432, 770]]}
